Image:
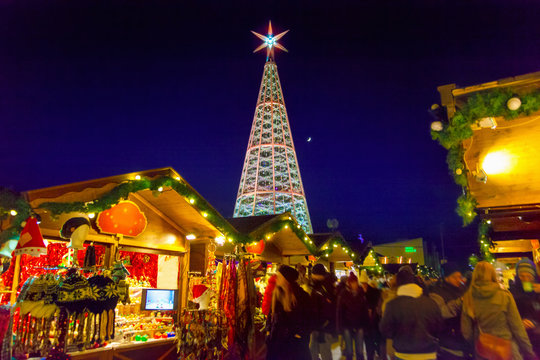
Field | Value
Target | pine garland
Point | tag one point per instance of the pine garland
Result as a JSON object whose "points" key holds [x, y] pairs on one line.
{"points": [[485, 241], [11, 201], [458, 128]]}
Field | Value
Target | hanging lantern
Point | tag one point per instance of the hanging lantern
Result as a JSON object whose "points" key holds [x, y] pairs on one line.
{"points": [[256, 248], [31, 241]]}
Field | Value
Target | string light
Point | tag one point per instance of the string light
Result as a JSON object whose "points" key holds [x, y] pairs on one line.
{"points": [[13, 213], [160, 189], [220, 240], [91, 215], [191, 237], [204, 214], [192, 201], [137, 177], [177, 178], [229, 239]]}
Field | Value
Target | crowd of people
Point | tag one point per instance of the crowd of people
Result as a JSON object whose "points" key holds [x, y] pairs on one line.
{"points": [[405, 316]]}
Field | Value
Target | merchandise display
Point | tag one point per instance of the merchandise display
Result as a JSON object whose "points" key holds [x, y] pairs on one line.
{"points": [[135, 324]]}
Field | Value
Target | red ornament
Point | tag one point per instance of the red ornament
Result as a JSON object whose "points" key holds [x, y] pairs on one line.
{"points": [[31, 241], [124, 218], [257, 248]]}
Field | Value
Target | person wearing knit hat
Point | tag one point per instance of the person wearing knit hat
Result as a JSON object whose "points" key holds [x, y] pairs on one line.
{"points": [[526, 292], [448, 294], [352, 317], [324, 304], [291, 318]]}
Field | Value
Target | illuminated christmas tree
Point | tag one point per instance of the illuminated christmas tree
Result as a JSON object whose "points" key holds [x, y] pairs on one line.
{"points": [[271, 182]]}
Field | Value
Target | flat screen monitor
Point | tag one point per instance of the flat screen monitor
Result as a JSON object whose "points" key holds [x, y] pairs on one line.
{"points": [[159, 299]]}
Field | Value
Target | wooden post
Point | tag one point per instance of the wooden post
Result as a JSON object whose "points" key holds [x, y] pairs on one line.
{"points": [[15, 284]]}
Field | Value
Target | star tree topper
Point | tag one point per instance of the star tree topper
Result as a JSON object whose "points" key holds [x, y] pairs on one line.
{"points": [[270, 42]]}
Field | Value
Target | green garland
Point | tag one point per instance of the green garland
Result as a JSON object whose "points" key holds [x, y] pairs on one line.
{"points": [[10, 201], [451, 137], [458, 129], [485, 241]]}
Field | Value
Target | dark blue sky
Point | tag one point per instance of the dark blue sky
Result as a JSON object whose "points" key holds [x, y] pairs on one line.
{"points": [[96, 88]]}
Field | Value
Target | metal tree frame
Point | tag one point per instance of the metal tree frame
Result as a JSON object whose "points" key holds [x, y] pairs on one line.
{"points": [[271, 181]]}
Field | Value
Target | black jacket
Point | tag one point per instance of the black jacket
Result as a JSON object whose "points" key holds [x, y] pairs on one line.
{"points": [[413, 323], [448, 298], [352, 310], [324, 301]]}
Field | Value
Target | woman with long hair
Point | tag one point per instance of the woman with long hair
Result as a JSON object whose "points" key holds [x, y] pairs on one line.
{"points": [[291, 318], [489, 309]]}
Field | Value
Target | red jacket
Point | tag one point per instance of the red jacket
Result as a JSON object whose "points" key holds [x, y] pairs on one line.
{"points": [[267, 299]]}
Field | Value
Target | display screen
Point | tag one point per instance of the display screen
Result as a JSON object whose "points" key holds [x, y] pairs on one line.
{"points": [[158, 299]]}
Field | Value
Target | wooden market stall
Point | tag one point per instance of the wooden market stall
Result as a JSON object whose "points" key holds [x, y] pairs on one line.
{"points": [[335, 255], [279, 237], [154, 216], [498, 163]]}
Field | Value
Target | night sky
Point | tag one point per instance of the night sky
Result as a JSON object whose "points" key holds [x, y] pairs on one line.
{"points": [[91, 89]]}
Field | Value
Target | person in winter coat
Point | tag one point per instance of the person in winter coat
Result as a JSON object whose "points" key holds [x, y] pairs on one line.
{"points": [[387, 295], [352, 318], [291, 318], [494, 311], [324, 304], [412, 320], [526, 291], [448, 293], [372, 336]]}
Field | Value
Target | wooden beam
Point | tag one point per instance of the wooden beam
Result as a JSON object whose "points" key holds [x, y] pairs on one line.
{"points": [[160, 213]]}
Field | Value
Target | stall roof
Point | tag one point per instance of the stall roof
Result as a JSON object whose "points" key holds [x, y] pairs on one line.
{"points": [[326, 240], [168, 207], [280, 239]]}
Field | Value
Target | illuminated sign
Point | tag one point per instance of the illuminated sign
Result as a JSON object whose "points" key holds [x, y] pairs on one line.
{"points": [[410, 249]]}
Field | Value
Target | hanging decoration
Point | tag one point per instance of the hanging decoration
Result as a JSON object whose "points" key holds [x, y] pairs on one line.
{"points": [[256, 247], [123, 218], [31, 241]]}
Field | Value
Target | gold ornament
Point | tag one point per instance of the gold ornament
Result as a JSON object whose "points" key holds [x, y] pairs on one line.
{"points": [[513, 104]]}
